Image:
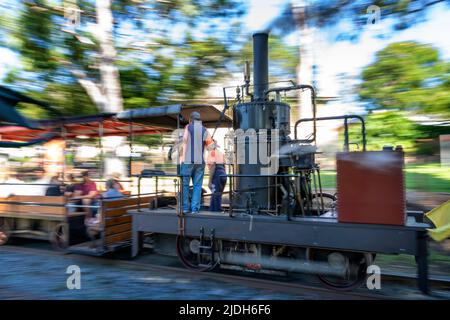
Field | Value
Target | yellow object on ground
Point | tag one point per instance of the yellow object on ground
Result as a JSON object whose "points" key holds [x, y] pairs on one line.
{"points": [[440, 216]]}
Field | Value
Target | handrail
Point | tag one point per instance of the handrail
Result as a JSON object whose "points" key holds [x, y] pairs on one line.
{"points": [[69, 203], [345, 117]]}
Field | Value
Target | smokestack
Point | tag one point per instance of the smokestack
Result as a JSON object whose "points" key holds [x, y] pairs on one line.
{"points": [[260, 64]]}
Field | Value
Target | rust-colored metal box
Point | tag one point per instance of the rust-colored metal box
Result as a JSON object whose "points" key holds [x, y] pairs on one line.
{"points": [[370, 187]]}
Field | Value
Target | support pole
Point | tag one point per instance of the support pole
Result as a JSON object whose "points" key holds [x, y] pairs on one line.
{"points": [[130, 158], [346, 141], [422, 261], [100, 145], [63, 136]]}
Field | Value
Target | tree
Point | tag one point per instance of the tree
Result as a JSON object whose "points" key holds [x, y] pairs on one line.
{"points": [[101, 45], [390, 128], [283, 58], [407, 76], [303, 16]]}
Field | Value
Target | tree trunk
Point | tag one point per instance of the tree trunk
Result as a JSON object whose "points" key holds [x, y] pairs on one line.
{"points": [[304, 72], [92, 89], [305, 65], [110, 83]]}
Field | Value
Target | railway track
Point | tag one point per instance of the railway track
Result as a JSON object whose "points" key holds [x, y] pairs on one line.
{"points": [[249, 280], [434, 281]]}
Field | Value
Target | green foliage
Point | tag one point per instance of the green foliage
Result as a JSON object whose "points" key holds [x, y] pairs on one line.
{"points": [[34, 33], [192, 67], [148, 140], [283, 59], [386, 128], [407, 76]]}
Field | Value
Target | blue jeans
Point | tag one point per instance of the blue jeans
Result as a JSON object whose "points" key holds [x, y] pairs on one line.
{"points": [[196, 172], [219, 182]]}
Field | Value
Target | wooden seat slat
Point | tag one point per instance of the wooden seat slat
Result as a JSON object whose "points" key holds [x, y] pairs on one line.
{"points": [[23, 208], [118, 237], [114, 212], [117, 220], [126, 202], [117, 223], [38, 199], [33, 216], [117, 229]]}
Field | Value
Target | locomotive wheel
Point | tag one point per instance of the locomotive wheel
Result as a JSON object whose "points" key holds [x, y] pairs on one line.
{"points": [[60, 236], [5, 231], [187, 251], [356, 264]]}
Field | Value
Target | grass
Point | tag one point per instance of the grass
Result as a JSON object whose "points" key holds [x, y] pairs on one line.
{"points": [[428, 177], [439, 263], [424, 177]]}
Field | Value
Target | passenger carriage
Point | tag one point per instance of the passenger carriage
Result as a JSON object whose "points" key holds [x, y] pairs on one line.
{"points": [[55, 218]]}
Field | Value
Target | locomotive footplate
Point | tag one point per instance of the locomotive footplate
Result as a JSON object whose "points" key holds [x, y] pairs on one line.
{"points": [[310, 232]]}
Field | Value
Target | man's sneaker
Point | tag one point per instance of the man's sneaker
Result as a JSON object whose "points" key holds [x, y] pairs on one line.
{"points": [[194, 212]]}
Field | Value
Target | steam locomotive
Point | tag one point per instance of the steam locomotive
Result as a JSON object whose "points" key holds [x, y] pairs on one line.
{"points": [[278, 218]]}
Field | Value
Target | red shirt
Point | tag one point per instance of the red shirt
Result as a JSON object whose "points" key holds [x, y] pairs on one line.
{"points": [[86, 187]]}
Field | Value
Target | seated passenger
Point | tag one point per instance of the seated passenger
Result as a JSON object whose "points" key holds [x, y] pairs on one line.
{"points": [[94, 224], [116, 177], [112, 190], [55, 189], [86, 193], [70, 186]]}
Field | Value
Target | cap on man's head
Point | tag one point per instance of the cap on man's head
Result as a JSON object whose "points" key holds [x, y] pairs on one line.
{"points": [[195, 116]]}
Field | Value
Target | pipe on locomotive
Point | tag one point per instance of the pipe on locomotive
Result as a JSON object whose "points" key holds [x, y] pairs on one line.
{"points": [[260, 65], [284, 264]]}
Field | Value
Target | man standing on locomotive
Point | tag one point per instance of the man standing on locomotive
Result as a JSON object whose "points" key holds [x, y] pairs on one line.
{"points": [[195, 138]]}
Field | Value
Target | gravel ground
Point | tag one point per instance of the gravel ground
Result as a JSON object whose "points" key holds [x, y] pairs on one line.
{"points": [[33, 276]]}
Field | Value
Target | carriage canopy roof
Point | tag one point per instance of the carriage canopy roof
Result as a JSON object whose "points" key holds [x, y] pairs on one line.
{"points": [[142, 121], [8, 114]]}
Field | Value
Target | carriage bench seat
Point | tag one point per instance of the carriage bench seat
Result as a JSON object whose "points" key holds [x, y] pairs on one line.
{"points": [[36, 217], [114, 229], [33, 207]]}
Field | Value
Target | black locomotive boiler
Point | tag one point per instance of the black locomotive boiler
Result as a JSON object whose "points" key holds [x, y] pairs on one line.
{"points": [[278, 218]]}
